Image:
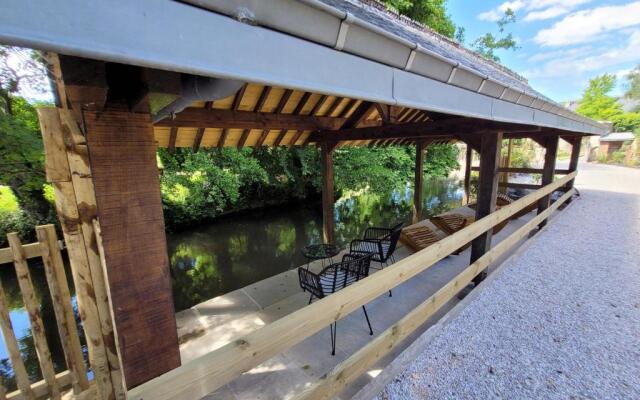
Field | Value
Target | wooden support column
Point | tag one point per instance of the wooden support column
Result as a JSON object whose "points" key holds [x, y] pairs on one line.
{"points": [[122, 154], [467, 174], [573, 162], [68, 170], [328, 223], [548, 172], [419, 181], [487, 193]]}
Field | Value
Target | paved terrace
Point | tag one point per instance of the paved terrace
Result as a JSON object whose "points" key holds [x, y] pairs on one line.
{"points": [[213, 323], [559, 320]]}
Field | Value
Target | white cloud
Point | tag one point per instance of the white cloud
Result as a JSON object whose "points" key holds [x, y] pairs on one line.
{"points": [[573, 62], [551, 12], [498, 12], [536, 9], [585, 25]]}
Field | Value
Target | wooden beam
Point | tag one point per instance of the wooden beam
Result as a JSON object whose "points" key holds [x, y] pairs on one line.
{"points": [[200, 133], [298, 111], [418, 181], [230, 119], [328, 223], [487, 193], [257, 108], [518, 170], [173, 135], [548, 173], [516, 185], [445, 128], [281, 104], [129, 208], [467, 174], [358, 115], [384, 111], [573, 161], [234, 107]]}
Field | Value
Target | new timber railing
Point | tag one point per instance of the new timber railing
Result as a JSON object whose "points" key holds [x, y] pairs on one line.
{"points": [[53, 385], [209, 372]]}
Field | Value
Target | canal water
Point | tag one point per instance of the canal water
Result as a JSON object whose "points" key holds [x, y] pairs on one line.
{"points": [[232, 252]]}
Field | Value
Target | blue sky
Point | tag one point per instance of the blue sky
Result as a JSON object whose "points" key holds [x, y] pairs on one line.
{"points": [[563, 43]]}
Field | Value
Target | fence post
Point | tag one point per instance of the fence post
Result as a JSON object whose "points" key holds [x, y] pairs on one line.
{"points": [[67, 168], [33, 308], [57, 282]]}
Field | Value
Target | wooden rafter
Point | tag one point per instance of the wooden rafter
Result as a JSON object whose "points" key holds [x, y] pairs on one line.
{"points": [[298, 111], [173, 135], [200, 133], [334, 106], [257, 108], [281, 104], [359, 114], [318, 105], [234, 106]]}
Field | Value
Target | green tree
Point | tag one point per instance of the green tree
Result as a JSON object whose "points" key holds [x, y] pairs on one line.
{"points": [[488, 43], [432, 13], [633, 85], [596, 101], [19, 67]]}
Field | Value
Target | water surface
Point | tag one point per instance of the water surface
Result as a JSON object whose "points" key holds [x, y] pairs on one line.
{"points": [[230, 253]]}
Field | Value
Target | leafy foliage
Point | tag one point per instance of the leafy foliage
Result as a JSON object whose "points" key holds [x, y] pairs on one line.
{"points": [[19, 67], [432, 13], [597, 103], [633, 84], [488, 43]]}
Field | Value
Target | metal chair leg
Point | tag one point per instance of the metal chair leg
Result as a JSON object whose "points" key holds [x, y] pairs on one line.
{"points": [[310, 298], [334, 331], [368, 323]]}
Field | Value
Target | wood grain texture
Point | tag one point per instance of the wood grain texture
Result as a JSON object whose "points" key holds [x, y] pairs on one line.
{"points": [[10, 341], [32, 306], [487, 188], [73, 211], [61, 299], [127, 189]]}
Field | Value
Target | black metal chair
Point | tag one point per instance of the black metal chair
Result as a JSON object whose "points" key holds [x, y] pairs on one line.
{"points": [[380, 242], [337, 276]]}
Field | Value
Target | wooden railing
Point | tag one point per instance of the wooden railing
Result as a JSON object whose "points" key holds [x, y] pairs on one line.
{"points": [[209, 372], [75, 376]]}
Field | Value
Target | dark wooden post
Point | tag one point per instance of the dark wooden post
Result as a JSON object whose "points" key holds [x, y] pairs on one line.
{"points": [[419, 181], [467, 174], [122, 154], [487, 192], [573, 161], [328, 223], [548, 172]]}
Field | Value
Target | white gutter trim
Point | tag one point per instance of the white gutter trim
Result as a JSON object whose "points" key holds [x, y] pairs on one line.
{"points": [[412, 57], [342, 33]]}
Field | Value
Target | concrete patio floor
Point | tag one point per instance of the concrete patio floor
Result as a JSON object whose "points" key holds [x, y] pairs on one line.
{"points": [[213, 323]]}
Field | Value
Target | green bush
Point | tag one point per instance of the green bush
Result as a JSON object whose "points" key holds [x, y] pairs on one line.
{"points": [[617, 157]]}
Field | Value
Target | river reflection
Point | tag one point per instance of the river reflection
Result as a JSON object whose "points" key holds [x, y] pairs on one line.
{"points": [[234, 252], [21, 326]]}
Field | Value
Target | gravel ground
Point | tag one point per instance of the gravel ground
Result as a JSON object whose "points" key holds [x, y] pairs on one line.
{"points": [[561, 320]]}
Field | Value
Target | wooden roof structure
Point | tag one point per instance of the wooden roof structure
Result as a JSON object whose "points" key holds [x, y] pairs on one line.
{"points": [[309, 72]]}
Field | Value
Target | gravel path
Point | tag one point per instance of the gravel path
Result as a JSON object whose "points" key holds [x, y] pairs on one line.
{"points": [[561, 321]]}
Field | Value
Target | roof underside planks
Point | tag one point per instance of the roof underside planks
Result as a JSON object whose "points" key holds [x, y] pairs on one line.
{"points": [[144, 35]]}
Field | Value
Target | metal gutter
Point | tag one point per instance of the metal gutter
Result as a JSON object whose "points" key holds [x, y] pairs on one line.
{"points": [[297, 51]]}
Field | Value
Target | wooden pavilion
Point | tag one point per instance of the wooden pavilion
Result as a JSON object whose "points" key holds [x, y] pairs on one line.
{"points": [[133, 76]]}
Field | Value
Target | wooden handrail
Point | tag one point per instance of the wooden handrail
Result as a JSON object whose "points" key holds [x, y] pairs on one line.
{"points": [[350, 369], [31, 250], [209, 372], [519, 170]]}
